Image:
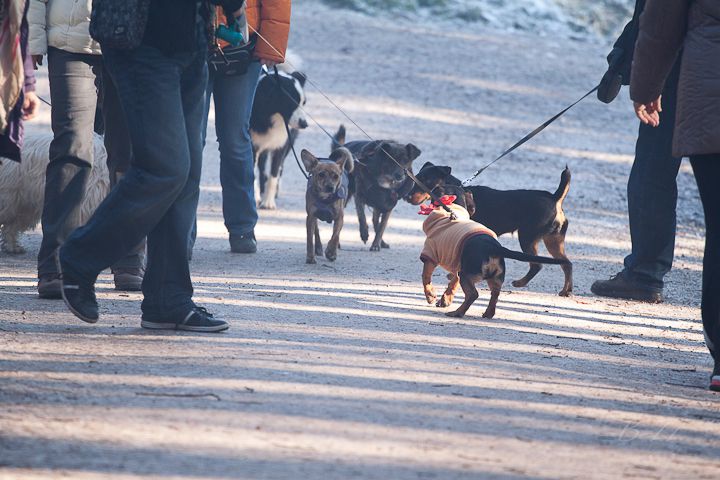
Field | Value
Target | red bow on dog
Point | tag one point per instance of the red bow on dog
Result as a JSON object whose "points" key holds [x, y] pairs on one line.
{"points": [[444, 200]]}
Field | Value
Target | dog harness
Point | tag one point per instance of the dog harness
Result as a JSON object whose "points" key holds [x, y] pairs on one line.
{"points": [[446, 237], [324, 206]]}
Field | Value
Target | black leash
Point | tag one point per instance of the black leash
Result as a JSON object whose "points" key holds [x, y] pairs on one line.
{"points": [[44, 101], [529, 136], [407, 171]]}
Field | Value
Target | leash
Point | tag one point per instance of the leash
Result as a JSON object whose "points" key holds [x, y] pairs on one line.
{"points": [[44, 101], [529, 136], [287, 130]]}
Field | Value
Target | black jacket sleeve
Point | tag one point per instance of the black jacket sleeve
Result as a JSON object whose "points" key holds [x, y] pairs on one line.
{"points": [[229, 5], [621, 57]]}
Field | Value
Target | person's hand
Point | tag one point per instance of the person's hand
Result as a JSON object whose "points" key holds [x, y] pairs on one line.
{"points": [[649, 113], [37, 60], [30, 106], [268, 63]]}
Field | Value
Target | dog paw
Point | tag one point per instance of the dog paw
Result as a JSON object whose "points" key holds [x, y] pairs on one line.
{"points": [[565, 293], [384, 245], [375, 248], [455, 314], [519, 283], [444, 301], [311, 260], [331, 254], [268, 205], [489, 314]]}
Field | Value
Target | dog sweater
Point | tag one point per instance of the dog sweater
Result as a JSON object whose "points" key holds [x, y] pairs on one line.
{"points": [[446, 237]]}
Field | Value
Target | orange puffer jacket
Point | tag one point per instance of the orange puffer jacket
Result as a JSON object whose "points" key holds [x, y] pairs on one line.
{"points": [[271, 19]]}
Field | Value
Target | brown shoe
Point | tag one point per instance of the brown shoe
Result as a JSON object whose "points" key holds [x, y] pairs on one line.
{"points": [[128, 279], [49, 286]]}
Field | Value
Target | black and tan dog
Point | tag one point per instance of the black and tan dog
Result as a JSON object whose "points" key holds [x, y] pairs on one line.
{"points": [[378, 181], [535, 214], [471, 253], [325, 199]]}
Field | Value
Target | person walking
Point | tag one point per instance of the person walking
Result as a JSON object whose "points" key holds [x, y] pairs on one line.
{"points": [[666, 27], [18, 102], [161, 86], [60, 30], [652, 186], [232, 87]]}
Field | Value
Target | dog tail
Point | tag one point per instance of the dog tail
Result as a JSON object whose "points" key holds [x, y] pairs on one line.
{"points": [[564, 186], [524, 257], [338, 139]]}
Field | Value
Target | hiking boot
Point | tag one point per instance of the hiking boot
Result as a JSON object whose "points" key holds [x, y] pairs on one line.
{"points": [[715, 379], [622, 286], [79, 295], [49, 286], [128, 279], [197, 320], [245, 243]]}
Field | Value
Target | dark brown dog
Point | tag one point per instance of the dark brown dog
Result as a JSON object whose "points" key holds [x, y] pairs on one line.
{"points": [[378, 181], [325, 199], [535, 214]]}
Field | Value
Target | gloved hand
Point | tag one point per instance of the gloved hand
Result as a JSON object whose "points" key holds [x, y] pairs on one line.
{"points": [[613, 79]]}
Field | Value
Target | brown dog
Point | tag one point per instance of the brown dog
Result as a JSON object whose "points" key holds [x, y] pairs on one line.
{"points": [[325, 199]]}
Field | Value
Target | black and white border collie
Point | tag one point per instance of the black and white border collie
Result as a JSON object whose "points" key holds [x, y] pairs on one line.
{"points": [[274, 106]]}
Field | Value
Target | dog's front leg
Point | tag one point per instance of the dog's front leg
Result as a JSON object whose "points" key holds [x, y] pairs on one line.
{"points": [[447, 298], [362, 220], [380, 230], [428, 269], [332, 246], [311, 225]]}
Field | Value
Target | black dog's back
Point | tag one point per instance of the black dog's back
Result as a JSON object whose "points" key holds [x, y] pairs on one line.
{"points": [[478, 250]]}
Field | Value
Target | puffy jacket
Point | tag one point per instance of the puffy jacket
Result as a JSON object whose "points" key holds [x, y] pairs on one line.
{"points": [[62, 24], [666, 26], [271, 18]]}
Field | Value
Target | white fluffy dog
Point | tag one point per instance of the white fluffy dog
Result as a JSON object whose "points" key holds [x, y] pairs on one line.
{"points": [[22, 189]]}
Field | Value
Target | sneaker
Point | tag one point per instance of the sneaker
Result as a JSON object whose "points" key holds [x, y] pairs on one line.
{"points": [[49, 286], [128, 279], [715, 379], [197, 320], [245, 243], [621, 286], [79, 296]]}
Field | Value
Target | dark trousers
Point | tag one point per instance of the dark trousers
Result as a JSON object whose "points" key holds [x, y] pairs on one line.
{"points": [[707, 175], [163, 99], [652, 195], [74, 98]]}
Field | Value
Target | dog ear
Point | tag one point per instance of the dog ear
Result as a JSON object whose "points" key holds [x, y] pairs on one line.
{"points": [[427, 165], [309, 160], [343, 158], [300, 77], [412, 151], [444, 171]]}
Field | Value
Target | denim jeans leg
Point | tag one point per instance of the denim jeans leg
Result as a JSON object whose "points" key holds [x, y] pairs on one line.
{"points": [[652, 196], [162, 98], [234, 96], [74, 99], [119, 156]]}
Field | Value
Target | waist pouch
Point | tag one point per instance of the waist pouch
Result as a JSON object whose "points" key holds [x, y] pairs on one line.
{"points": [[233, 60], [119, 23]]}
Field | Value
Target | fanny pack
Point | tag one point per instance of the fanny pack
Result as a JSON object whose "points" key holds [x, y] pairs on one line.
{"points": [[119, 23], [233, 60]]}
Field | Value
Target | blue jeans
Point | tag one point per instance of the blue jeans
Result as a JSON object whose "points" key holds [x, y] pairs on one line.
{"points": [[234, 96], [163, 99], [652, 195]]}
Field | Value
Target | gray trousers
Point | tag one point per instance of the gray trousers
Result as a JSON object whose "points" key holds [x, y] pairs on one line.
{"points": [[74, 82]]}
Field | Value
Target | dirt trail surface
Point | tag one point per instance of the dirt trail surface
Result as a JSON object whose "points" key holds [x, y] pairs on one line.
{"points": [[340, 370]]}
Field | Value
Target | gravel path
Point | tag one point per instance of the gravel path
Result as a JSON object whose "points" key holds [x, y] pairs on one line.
{"points": [[340, 370]]}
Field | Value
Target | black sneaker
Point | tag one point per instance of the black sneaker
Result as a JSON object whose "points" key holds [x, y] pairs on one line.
{"points": [[49, 286], [245, 243], [79, 296], [128, 279], [197, 320], [621, 286], [715, 379]]}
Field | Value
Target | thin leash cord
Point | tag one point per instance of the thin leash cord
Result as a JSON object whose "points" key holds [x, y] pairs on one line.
{"points": [[529, 136], [287, 130], [407, 171]]}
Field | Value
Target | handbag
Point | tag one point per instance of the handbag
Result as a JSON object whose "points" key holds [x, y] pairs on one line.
{"points": [[233, 60], [119, 23]]}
